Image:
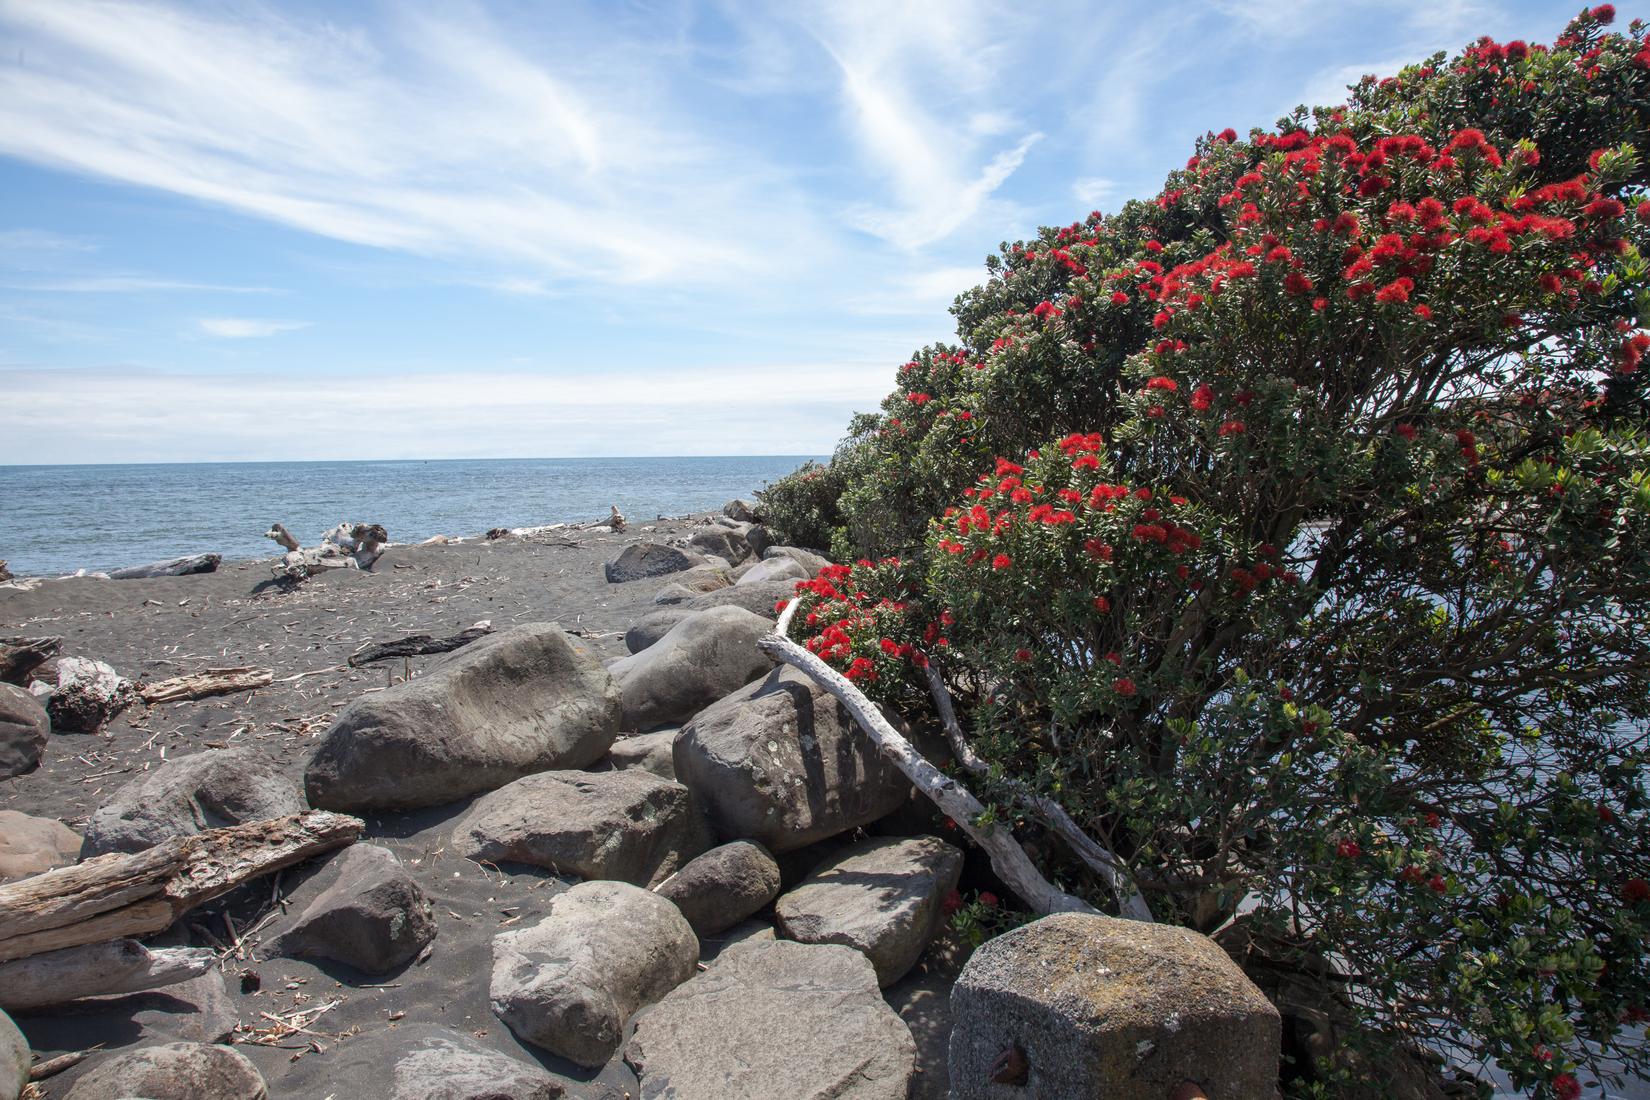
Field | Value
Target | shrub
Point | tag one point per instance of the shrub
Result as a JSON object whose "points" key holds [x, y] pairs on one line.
{"points": [[1291, 529]]}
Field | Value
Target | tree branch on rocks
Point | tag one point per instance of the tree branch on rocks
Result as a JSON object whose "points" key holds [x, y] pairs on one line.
{"points": [[1100, 859], [136, 894], [419, 645], [1008, 859]]}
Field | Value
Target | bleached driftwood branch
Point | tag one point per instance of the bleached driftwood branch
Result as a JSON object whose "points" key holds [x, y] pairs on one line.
{"points": [[1010, 862], [116, 895], [173, 567], [214, 681], [1100, 859], [94, 970]]}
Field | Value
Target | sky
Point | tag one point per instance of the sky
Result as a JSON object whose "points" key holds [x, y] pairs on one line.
{"points": [[464, 229]]}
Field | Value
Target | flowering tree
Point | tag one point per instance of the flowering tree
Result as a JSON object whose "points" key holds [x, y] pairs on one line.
{"points": [[1292, 531]]}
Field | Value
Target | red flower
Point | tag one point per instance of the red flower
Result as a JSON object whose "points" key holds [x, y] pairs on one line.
{"points": [[1642, 211], [1022, 655], [1203, 397], [1001, 561], [1604, 207], [1566, 1087], [988, 899], [1161, 383], [1348, 849], [1604, 14], [1227, 135], [1635, 890], [1124, 686], [1232, 427], [952, 901], [1118, 298]]}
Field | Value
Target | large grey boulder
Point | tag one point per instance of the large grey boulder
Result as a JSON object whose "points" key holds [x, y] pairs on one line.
{"points": [[700, 659], [777, 1019], [773, 569], [520, 701], [628, 825], [604, 949], [881, 897], [724, 542], [641, 560], [14, 1059], [172, 1071], [719, 889], [1097, 1006], [423, 1062], [782, 762], [188, 795], [198, 1010], [758, 599], [759, 538], [807, 559], [23, 729], [693, 583], [361, 908], [30, 845], [654, 625], [651, 752], [742, 510]]}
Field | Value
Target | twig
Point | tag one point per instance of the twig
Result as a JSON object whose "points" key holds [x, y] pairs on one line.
{"points": [[1007, 858], [51, 1067]]}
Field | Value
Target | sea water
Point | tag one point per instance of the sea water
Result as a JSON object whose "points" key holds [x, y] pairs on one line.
{"points": [[57, 519]]}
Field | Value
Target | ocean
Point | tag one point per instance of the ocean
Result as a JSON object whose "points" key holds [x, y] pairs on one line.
{"points": [[57, 519]]}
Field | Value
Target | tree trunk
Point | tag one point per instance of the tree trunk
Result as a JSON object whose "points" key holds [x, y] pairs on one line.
{"points": [[99, 969], [214, 681], [136, 894], [176, 567], [21, 656]]}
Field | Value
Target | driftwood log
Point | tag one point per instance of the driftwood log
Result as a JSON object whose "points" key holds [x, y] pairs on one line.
{"points": [[21, 656], [174, 567], [137, 894], [280, 534], [1008, 859], [97, 969], [418, 645], [214, 681]]}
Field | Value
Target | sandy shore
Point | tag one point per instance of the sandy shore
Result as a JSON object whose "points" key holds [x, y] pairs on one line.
{"points": [[153, 629]]}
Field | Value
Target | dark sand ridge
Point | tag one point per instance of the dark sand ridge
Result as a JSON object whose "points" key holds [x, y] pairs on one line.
{"points": [[152, 629]]}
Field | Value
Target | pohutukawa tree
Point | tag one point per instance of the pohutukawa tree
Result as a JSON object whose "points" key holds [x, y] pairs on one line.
{"points": [[1292, 531]]}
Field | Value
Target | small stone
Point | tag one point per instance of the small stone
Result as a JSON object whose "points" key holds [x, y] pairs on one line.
{"points": [[719, 889], [30, 845]]}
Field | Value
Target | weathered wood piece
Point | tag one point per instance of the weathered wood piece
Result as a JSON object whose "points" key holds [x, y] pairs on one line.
{"points": [[136, 894], [95, 970], [1008, 859], [21, 656], [281, 535], [173, 567], [199, 685], [418, 645]]}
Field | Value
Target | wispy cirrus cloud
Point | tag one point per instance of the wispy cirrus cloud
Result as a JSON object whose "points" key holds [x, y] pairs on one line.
{"points": [[246, 328], [123, 284]]}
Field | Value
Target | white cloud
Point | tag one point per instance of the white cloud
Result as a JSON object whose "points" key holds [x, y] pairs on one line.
{"points": [[242, 328], [123, 284], [443, 136], [15, 243], [136, 415], [1093, 191]]}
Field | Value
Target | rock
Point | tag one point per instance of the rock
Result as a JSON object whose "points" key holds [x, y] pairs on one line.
{"points": [[604, 949], [641, 560], [14, 1059], [198, 1010], [781, 762], [649, 751], [807, 559], [1104, 1007], [86, 694], [923, 1000], [362, 909], [30, 845], [758, 599], [653, 626], [780, 1019], [692, 583], [724, 542], [23, 729], [745, 511], [426, 1062], [700, 659], [759, 538], [628, 825], [881, 897], [188, 795], [745, 934], [519, 701], [172, 1071], [719, 889], [774, 569]]}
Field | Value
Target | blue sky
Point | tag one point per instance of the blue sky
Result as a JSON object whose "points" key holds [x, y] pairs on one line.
{"points": [[463, 229]]}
